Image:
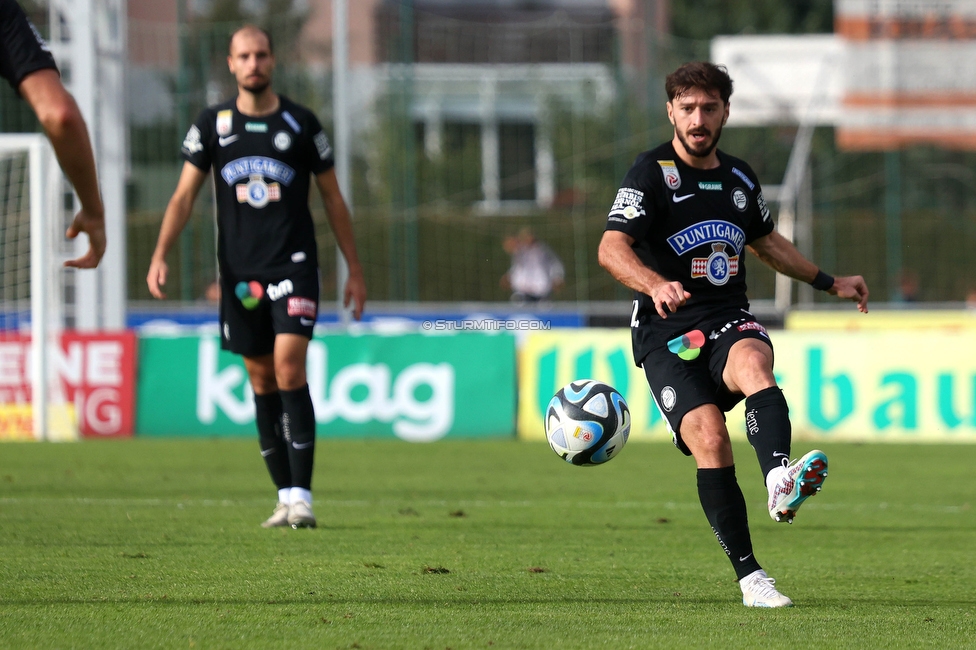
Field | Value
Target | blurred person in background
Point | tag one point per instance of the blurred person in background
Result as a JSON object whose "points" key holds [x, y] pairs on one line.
{"points": [[675, 234], [264, 150], [536, 271], [26, 63]]}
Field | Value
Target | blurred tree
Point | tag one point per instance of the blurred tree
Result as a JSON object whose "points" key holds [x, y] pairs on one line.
{"points": [[703, 19]]}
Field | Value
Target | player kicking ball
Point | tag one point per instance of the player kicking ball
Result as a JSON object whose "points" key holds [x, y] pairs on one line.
{"points": [[264, 150], [676, 235]]}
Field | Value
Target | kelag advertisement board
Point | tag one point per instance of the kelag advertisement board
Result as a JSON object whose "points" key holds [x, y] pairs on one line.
{"points": [[414, 387]]}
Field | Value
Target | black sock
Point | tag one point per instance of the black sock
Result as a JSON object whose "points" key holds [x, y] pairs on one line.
{"points": [[267, 413], [298, 425], [725, 508], [768, 427]]}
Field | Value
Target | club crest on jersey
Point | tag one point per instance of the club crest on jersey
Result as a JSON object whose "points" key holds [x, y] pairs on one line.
{"points": [[717, 267], [256, 193], [281, 141], [671, 176], [225, 122], [739, 199]]}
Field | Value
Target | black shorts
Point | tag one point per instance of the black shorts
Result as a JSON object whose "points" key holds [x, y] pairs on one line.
{"points": [[681, 383], [254, 310]]}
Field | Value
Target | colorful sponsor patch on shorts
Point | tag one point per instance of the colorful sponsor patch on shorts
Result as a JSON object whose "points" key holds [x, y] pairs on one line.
{"points": [[687, 346], [298, 306]]}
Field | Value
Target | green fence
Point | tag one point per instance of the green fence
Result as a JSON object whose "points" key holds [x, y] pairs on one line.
{"points": [[420, 226]]}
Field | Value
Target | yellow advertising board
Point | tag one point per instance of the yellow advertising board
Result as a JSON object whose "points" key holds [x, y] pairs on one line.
{"points": [[882, 386], [850, 320], [17, 423]]}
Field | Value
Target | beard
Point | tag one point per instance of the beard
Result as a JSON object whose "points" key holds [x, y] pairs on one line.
{"points": [[257, 86], [703, 150]]}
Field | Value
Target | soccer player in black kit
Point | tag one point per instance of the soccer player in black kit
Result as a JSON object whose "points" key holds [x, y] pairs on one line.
{"points": [[264, 149], [26, 63], [676, 235]]}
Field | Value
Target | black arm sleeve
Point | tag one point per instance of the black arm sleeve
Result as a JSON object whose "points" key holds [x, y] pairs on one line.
{"points": [[22, 50]]}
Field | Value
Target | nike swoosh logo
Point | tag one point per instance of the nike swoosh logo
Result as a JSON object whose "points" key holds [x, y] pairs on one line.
{"points": [[743, 559], [304, 445], [306, 322], [679, 199], [267, 452], [779, 453], [226, 141]]}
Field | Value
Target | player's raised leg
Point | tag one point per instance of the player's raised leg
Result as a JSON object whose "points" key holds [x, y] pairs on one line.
{"points": [[298, 424], [789, 486]]}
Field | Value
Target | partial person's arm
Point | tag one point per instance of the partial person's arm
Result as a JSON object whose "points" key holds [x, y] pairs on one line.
{"points": [[616, 255], [62, 121], [778, 253], [177, 213], [341, 224]]}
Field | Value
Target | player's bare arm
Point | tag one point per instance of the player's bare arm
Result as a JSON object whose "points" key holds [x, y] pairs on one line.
{"points": [[174, 220], [616, 255], [778, 253], [65, 128], [338, 215]]}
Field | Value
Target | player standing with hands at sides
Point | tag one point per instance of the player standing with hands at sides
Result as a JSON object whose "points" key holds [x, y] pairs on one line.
{"points": [[26, 62], [264, 149], [675, 235]]}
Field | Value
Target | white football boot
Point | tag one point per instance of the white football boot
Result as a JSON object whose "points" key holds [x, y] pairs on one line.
{"points": [[300, 515], [791, 485], [759, 590], [278, 518]]}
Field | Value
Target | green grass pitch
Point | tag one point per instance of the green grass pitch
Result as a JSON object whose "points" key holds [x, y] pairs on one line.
{"points": [[156, 544]]}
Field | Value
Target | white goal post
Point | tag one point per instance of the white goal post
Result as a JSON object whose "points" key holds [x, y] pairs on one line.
{"points": [[32, 289]]}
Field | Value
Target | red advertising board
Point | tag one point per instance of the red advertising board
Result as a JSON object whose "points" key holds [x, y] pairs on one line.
{"points": [[98, 372]]}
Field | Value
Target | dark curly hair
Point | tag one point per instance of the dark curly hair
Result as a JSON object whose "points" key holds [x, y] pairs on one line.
{"points": [[701, 75]]}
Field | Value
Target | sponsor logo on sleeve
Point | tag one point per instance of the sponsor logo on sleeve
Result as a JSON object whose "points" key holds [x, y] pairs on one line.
{"points": [[322, 145], [192, 143], [745, 179], [628, 204], [671, 176], [763, 209], [304, 307], [225, 122]]}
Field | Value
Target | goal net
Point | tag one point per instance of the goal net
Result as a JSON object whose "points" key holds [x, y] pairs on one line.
{"points": [[33, 404]]}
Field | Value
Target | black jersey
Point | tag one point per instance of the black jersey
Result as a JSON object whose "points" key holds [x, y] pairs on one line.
{"points": [[692, 226], [262, 169], [22, 50]]}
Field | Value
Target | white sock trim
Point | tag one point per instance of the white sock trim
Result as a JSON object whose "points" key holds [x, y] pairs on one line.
{"points": [[300, 494], [284, 494]]}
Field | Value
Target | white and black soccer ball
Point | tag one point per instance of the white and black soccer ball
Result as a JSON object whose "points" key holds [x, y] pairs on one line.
{"points": [[587, 422]]}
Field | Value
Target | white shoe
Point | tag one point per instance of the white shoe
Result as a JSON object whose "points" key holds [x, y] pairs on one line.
{"points": [[759, 590], [278, 518], [790, 486], [300, 515]]}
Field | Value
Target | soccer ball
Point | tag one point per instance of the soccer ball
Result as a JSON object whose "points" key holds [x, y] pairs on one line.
{"points": [[587, 422]]}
